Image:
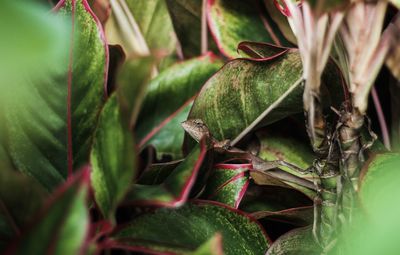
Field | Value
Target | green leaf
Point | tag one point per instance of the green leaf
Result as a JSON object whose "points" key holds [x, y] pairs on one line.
{"points": [[234, 21], [378, 172], [285, 146], [17, 208], [243, 89], [133, 80], [212, 247], [50, 134], [251, 93], [175, 189], [375, 225], [186, 228], [227, 184], [63, 226], [297, 241], [167, 103], [112, 158], [154, 22]]}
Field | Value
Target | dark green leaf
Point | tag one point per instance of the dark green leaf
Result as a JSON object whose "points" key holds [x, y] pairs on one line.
{"points": [[167, 103], [186, 228], [50, 134], [295, 242], [227, 184], [63, 226], [112, 158], [234, 21], [175, 189]]}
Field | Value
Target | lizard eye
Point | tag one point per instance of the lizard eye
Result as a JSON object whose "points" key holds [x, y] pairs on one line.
{"points": [[198, 122]]}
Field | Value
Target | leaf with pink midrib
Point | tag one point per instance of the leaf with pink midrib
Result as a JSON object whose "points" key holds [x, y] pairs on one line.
{"points": [[62, 226], [50, 135]]}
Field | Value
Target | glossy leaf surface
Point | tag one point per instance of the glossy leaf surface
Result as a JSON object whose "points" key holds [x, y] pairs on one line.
{"points": [[227, 183], [194, 224], [167, 103], [50, 134], [234, 21], [243, 89], [112, 158]]}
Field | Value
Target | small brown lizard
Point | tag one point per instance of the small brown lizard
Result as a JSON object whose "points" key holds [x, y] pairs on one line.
{"points": [[198, 130]]}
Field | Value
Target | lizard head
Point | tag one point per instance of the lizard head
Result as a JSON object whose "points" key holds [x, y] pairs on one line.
{"points": [[196, 128]]}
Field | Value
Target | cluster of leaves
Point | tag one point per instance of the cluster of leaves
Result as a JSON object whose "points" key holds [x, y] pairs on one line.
{"points": [[94, 159]]}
